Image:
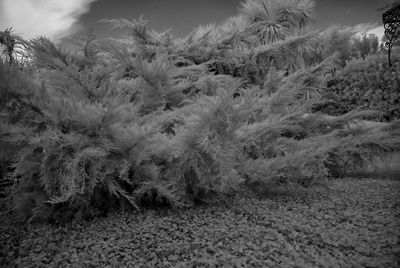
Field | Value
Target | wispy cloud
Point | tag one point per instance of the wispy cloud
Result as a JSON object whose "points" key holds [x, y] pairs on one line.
{"points": [[52, 18]]}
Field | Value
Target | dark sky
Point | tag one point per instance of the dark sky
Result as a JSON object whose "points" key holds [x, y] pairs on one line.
{"points": [[183, 15]]}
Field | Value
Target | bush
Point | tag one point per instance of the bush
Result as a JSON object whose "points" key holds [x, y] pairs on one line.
{"points": [[146, 123], [365, 84]]}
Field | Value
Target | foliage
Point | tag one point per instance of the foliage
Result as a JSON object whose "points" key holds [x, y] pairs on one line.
{"points": [[273, 21], [12, 49], [365, 84], [8, 43], [292, 225], [158, 121], [366, 45], [348, 43]]}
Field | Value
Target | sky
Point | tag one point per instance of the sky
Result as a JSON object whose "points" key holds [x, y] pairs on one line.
{"points": [[59, 18]]}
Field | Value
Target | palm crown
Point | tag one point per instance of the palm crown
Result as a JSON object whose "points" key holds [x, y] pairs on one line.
{"points": [[274, 20]]}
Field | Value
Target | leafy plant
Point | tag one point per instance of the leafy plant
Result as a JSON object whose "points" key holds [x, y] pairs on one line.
{"points": [[154, 121], [364, 84]]}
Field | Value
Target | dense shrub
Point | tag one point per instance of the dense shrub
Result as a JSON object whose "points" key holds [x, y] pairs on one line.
{"points": [[148, 122], [365, 84]]}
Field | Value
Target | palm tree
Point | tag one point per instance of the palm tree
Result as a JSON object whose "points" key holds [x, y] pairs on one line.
{"points": [[8, 42], [274, 20], [305, 13]]}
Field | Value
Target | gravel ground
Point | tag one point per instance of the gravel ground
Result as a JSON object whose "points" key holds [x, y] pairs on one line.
{"points": [[351, 223]]}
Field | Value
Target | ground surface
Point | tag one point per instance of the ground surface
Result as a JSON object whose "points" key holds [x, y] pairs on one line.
{"points": [[352, 223]]}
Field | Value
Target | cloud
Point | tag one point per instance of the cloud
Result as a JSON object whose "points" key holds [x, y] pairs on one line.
{"points": [[52, 18], [368, 28], [378, 31]]}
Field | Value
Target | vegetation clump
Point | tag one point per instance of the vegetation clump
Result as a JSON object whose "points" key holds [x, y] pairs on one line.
{"points": [[365, 84], [172, 122]]}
